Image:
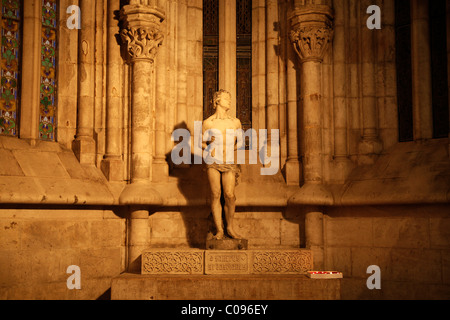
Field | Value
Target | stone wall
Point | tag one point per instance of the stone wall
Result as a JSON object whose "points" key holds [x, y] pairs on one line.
{"points": [[38, 244], [268, 228], [410, 244], [56, 198]]}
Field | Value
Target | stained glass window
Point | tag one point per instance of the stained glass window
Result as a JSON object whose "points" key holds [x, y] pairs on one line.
{"points": [[10, 66], [210, 54], [47, 110]]}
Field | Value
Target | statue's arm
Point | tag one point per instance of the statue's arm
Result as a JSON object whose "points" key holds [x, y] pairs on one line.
{"points": [[205, 128]]}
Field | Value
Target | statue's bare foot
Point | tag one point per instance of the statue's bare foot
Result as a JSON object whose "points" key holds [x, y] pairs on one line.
{"points": [[233, 234], [219, 235]]}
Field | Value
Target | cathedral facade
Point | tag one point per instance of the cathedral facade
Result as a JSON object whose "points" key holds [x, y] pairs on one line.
{"points": [[352, 95]]}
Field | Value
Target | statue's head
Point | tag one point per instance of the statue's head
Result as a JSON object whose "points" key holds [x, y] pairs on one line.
{"points": [[218, 95]]}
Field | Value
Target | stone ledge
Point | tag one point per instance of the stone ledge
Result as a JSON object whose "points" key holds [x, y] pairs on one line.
{"points": [[48, 173], [223, 287]]}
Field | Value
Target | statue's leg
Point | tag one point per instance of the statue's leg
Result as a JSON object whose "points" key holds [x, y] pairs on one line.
{"points": [[216, 207], [229, 183]]}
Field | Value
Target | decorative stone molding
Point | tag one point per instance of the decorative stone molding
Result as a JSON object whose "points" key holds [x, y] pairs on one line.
{"points": [[282, 261], [172, 262], [311, 31]]}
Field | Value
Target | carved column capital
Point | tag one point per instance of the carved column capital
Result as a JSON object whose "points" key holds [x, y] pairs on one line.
{"points": [[141, 34], [311, 31], [141, 43]]}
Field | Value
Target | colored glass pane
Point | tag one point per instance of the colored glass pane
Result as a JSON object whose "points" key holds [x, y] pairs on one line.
{"points": [[10, 66], [47, 110]]}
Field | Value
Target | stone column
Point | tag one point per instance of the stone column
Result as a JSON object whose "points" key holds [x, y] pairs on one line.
{"points": [[272, 108], [112, 165], [138, 237], [386, 55], [31, 71], [141, 37], [171, 43], [421, 70], [194, 67], [259, 64], [283, 41], [84, 144], [370, 144], [227, 50], [293, 166], [182, 58], [314, 236], [353, 99], [160, 166], [311, 32], [342, 162]]}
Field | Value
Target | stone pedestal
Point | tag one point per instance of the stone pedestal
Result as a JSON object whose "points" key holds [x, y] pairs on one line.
{"points": [[112, 169], [137, 238], [223, 287], [194, 261], [293, 172], [193, 274], [160, 171], [84, 150]]}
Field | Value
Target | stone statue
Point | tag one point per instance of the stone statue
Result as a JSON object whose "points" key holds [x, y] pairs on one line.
{"points": [[222, 176]]}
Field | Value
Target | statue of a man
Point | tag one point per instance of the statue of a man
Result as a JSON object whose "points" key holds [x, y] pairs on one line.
{"points": [[220, 174]]}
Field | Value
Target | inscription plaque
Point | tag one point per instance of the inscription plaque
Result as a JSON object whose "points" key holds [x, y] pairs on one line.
{"points": [[226, 262]]}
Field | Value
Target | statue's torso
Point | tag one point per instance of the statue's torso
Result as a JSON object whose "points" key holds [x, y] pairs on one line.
{"points": [[217, 125]]}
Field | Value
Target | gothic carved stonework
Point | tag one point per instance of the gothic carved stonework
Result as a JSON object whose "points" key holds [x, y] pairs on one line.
{"points": [[141, 43], [172, 262], [311, 31], [310, 43], [282, 262], [141, 33]]}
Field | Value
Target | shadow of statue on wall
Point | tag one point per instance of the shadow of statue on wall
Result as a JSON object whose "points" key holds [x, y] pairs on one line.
{"points": [[192, 183]]}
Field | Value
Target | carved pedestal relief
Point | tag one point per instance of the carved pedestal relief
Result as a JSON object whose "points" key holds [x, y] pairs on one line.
{"points": [[172, 262], [257, 262]]}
